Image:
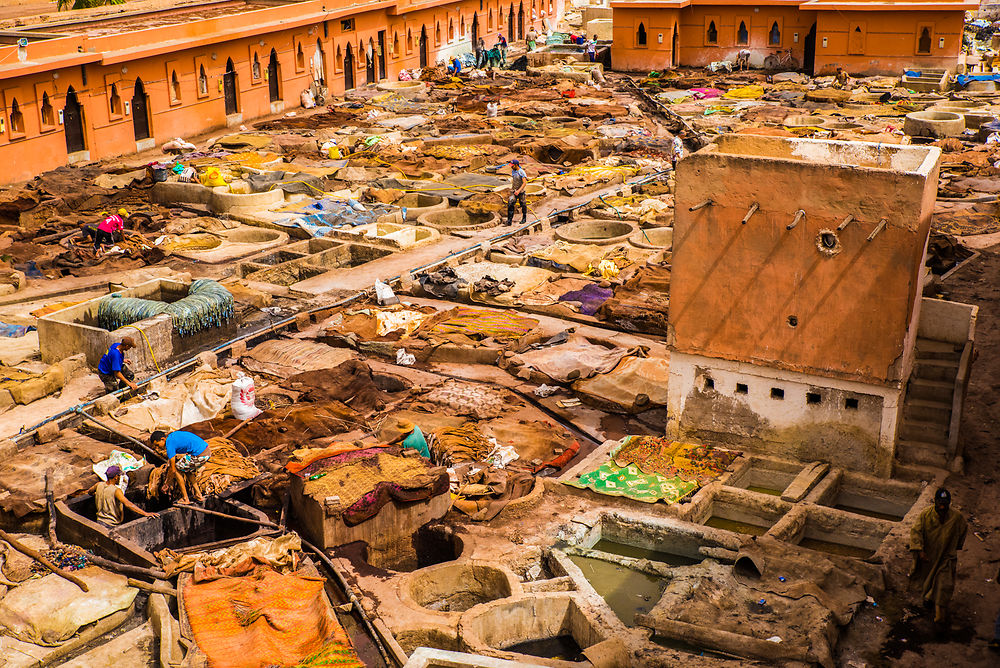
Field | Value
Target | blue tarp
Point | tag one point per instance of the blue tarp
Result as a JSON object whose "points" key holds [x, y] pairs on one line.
{"points": [[964, 79]]}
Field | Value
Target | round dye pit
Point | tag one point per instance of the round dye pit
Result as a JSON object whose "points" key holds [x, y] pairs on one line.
{"points": [[654, 237], [841, 125], [458, 587], [404, 88], [246, 234], [594, 231], [514, 120], [805, 121], [457, 219], [933, 124]]}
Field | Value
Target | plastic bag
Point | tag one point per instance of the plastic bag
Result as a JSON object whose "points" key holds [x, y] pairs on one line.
{"points": [[404, 358], [384, 294], [244, 397]]}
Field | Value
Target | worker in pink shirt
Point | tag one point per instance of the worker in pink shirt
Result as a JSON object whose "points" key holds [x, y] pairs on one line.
{"points": [[108, 230]]}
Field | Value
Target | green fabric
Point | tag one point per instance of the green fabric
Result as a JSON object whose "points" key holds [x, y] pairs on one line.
{"points": [[416, 441], [633, 483]]}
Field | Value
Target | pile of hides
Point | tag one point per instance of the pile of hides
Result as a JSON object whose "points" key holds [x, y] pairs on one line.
{"points": [[351, 383], [207, 305], [689, 461], [641, 304], [578, 358], [795, 594], [50, 610], [203, 395], [366, 479], [635, 385], [16, 567], [475, 400], [269, 619], [482, 493], [479, 324], [456, 445], [282, 555], [285, 357], [226, 466]]}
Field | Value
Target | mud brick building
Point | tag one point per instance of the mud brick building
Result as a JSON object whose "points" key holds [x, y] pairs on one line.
{"points": [[92, 84], [861, 37], [795, 303]]}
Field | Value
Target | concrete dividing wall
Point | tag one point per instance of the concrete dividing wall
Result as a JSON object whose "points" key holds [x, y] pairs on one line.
{"points": [[783, 414], [942, 320]]}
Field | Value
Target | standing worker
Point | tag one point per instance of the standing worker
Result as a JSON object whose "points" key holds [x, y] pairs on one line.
{"points": [[186, 453], [678, 151], [590, 48], [743, 60], [111, 501], [113, 367], [502, 45], [935, 539], [480, 53], [518, 184], [411, 438], [531, 38]]}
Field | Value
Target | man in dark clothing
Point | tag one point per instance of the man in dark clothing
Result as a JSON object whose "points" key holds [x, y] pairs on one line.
{"points": [[935, 539], [112, 368], [518, 183]]}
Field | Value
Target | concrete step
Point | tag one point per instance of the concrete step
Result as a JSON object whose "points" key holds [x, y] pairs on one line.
{"points": [[938, 412], [933, 390], [921, 453], [926, 432], [936, 369], [941, 350]]}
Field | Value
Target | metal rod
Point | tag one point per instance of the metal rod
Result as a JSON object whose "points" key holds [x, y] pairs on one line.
{"points": [[707, 202], [215, 513], [799, 215], [145, 448], [750, 212], [845, 222], [878, 228]]}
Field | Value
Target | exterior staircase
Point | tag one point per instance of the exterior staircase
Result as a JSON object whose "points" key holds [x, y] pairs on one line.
{"points": [[927, 433], [931, 80]]}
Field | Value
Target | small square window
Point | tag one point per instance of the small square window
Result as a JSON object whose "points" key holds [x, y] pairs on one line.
{"points": [[813, 398], [709, 383], [741, 388], [347, 25], [851, 404], [777, 393]]}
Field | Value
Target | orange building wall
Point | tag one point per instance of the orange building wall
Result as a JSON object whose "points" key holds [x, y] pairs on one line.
{"points": [[695, 51], [889, 41], [40, 148], [628, 55]]}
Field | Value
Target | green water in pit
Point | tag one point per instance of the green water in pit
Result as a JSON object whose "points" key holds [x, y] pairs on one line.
{"points": [[835, 548], [869, 513], [627, 591], [642, 553], [765, 490], [717, 522]]}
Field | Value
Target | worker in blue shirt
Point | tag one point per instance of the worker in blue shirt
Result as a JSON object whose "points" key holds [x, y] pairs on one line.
{"points": [[186, 453], [113, 368], [411, 438], [456, 66]]}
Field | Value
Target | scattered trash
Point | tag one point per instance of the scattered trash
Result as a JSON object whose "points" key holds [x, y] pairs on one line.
{"points": [[384, 294], [774, 639], [544, 390], [404, 358]]}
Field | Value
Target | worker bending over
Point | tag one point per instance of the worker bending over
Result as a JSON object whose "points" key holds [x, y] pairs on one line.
{"points": [[186, 453], [113, 367], [108, 231], [518, 184], [411, 438], [935, 539], [111, 501]]}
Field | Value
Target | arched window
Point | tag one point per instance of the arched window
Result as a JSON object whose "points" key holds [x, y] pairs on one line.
{"points": [[774, 36], [409, 40], [339, 60], [115, 100], [255, 68], [712, 34], [640, 35], [924, 45], [175, 87], [451, 30], [489, 20], [395, 45], [437, 33], [461, 28], [16, 118], [48, 115], [743, 35], [300, 58], [202, 81]]}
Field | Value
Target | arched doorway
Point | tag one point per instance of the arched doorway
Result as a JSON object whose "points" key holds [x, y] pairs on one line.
{"points": [[319, 64], [73, 123], [475, 30], [348, 68], [510, 24], [520, 21], [140, 111], [273, 77], [229, 89], [809, 51], [674, 46], [423, 46], [370, 61]]}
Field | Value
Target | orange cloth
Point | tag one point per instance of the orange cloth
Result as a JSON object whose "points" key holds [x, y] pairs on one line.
{"points": [[316, 454], [265, 620]]}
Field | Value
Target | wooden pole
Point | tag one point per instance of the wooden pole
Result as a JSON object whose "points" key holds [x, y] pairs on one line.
{"points": [[25, 550], [145, 586], [126, 569], [142, 446], [236, 428], [214, 513]]}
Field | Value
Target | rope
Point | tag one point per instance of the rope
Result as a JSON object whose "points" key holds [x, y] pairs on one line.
{"points": [[150, 346]]}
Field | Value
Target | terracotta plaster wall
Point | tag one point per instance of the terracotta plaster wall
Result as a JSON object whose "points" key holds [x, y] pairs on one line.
{"points": [[91, 67], [735, 287], [888, 41], [627, 54], [696, 51]]}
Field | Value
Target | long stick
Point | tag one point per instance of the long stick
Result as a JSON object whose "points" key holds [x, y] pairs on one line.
{"points": [[25, 550], [126, 569], [215, 513], [50, 504], [236, 428], [145, 586], [145, 448]]}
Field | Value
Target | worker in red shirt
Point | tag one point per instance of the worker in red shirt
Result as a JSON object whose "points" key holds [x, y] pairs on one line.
{"points": [[108, 231]]}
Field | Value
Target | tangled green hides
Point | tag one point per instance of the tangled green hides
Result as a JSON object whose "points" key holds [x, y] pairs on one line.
{"points": [[208, 304]]}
